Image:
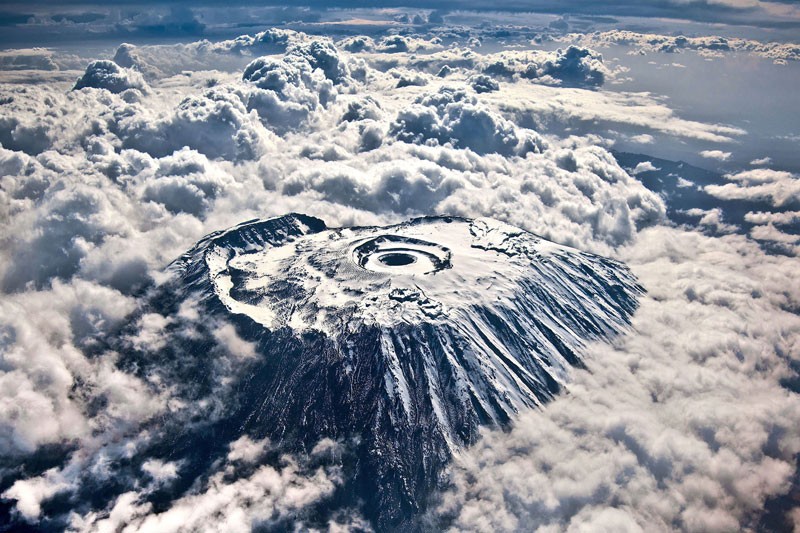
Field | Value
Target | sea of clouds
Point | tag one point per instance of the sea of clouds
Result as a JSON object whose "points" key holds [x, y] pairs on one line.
{"points": [[108, 173]]}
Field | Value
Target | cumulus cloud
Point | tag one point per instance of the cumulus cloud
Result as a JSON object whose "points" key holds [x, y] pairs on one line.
{"points": [[246, 449], [651, 42], [159, 60], [483, 84], [453, 116], [768, 232], [573, 66], [787, 217], [288, 89], [644, 138], [32, 59], [104, 74], [400, 44], [644, 166], [719, 155], [45, 337], [780, 188], [712, 219], [268, 496], [407, 78], [160, 471]]}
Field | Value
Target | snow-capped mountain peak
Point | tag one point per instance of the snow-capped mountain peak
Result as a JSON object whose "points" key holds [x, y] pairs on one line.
{"points": [[407, 338]]}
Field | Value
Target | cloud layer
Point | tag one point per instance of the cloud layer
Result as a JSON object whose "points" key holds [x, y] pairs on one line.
{"points": [[686, 423]]}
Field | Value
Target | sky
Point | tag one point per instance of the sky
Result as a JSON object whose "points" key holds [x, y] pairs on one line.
{"points": [[661, 134]]}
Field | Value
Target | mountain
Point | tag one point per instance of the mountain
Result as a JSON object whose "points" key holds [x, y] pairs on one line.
{"points": [[400, 341], [683, 188]]}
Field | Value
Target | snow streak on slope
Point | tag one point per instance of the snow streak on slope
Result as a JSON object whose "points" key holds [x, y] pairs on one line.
{"points": [[411, 336]]}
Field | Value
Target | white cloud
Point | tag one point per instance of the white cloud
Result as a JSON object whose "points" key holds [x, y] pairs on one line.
{"points": [[36, 59], [160, 471], [43, 363], [642, 139], [483, 84], [453, 116], [712, 218], [30, 494], [786, 217], [247, 450], [651, 42], [774, 235], [268, 495], [778, 187], [644, 166], [104, 74], [716, 154], [573, 66], [542, 107]]}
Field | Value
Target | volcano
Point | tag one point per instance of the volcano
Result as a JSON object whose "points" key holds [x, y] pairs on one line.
{"points": [[400, 341]]}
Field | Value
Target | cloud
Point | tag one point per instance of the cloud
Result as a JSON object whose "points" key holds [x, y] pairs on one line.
{"points": [[104, 74], [395, 44], [712, 218], [30, 494], [642, 139], [452, 116], [784, 218], [407, 78], [44, 335], [769, 232], [572, 67], [28, 59], [780, 188], [483, 84], [162, 60], [68, 223], [247, 450], [290, 88], [93, 19], [716, 154], [160, 471], [644, 166], [268, 496], [556, 109], [652, 42]]}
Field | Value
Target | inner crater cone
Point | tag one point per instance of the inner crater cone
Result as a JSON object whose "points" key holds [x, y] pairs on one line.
{"points": [[400, 340], [397, 259]]}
